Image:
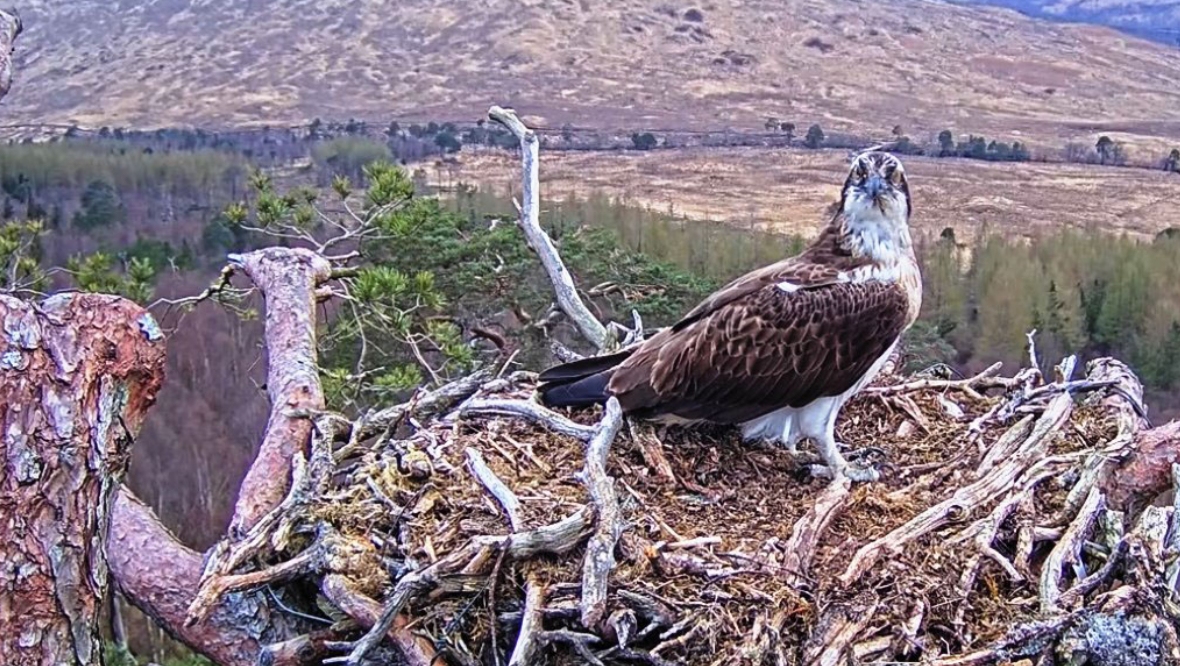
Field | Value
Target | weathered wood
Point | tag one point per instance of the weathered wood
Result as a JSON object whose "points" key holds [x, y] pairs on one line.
{"points": [[366, 612], [563, 283], [600, 551], [77, 375]]}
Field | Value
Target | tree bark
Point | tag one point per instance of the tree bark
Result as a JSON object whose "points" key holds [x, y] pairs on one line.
{"points": [[77, 374], [10, 27], [1147, 471], [159, 575]]}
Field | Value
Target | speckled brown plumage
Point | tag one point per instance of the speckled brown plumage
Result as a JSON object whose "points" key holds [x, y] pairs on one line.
{"points": [[781, 337], [770, 350]]}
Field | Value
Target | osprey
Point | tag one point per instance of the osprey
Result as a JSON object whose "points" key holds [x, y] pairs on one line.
{"points": [[780, 350]]}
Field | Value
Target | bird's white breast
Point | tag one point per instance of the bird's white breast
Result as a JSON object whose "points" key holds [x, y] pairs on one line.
{"points": [[791, 424]]}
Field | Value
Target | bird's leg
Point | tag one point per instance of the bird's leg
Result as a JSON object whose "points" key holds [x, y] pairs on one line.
{"points": [[837, 465]]}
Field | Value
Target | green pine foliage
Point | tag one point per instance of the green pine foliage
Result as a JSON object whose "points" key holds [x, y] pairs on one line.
{"points": [[102, 273], [20, 257], [429, 275], [1090, 293]]}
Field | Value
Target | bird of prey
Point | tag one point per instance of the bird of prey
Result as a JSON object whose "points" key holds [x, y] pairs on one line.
{"points": [[780, 350]]}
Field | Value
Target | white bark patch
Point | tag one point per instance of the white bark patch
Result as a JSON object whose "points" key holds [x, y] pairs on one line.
{"points": [[25, 462], [151, 330], [13, 359], [20, 326]]}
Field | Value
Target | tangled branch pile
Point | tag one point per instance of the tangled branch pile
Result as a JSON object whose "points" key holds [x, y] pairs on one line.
{"points": [[474, 522]]}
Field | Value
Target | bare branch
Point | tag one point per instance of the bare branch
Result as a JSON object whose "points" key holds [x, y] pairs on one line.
{"points": [[1067, 551], [530, 625], [555, 538], [979, 493], [502, 493], [600, 552], [366, 612], [805, 535], [539, 241], [531, 411]]}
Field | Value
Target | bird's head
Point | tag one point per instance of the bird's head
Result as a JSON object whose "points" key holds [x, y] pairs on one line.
{"points": [[876, 187], [875, 205]]}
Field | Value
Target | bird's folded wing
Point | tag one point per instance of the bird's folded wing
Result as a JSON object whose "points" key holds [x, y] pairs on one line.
{"points": [[773, 347], [791, 273]]}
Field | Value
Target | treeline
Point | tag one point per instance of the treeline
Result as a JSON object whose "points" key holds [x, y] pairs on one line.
{"points": [[75, 165], [1091, 293], [409, 142], [1086, 292]]}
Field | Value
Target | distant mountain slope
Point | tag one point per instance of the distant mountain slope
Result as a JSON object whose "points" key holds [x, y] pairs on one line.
{"points": [[846, 64], [1151, 19]]}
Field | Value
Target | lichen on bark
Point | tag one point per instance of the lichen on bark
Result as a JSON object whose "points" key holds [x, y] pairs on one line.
{"points": [[77, 378]]}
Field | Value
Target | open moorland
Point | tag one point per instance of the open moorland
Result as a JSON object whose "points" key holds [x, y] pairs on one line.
{"points": [[789, 190]]}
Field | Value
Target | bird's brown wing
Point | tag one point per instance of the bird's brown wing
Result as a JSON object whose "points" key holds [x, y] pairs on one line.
{"points": [[803, 274], [770, 348]]}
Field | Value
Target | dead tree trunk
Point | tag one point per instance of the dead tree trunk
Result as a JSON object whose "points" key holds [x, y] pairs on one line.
{"points": [[77, 374]]}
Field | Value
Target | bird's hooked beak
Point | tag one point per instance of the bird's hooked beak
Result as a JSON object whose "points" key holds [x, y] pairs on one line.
{"points": [[875, 186]]}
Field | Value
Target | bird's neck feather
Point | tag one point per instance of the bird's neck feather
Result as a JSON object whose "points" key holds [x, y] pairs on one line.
{"points": [[874, 235]]}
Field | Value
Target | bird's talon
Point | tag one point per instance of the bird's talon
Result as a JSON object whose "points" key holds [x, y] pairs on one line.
{"points": [[854, 473], [860, 474]]}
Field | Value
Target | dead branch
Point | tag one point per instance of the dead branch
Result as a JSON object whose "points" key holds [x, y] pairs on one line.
{"points": [[496, 487], [531, 411], [976, 494], [805, 535], [366, 612], [971, 386], [563, 283], [423, 406], [1068, 551], [600, 552], [652, 451], [530, 625], [837, 629], [472, 559]]}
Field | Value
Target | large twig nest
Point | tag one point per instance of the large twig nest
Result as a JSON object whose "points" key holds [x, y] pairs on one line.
{"points": [[990, 539]]}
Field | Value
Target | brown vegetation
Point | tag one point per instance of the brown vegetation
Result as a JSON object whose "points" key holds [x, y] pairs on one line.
{"points": [[850, 66], [787, 191]]}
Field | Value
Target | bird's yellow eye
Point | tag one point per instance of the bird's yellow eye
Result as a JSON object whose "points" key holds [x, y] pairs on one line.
{"points": [[861, 171], [896, 177]]}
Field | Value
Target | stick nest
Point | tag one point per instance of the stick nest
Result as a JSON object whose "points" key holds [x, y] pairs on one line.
{"points": [[987, 541]]}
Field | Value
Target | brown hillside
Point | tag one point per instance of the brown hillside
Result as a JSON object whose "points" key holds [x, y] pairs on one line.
{"points": [[850, 65]]}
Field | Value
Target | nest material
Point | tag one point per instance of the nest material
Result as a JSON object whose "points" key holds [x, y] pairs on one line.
{"points": [[987, 541]]}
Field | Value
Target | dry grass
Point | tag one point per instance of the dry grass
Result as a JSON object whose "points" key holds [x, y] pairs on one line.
{"points": [[789, 190], [849, 65]]}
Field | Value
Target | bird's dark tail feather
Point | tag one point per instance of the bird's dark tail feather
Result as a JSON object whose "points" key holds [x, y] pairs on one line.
{"points": [[580, 383]]}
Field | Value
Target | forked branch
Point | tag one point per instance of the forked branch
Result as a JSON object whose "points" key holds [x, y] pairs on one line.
{"points": [[563, 283]]}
